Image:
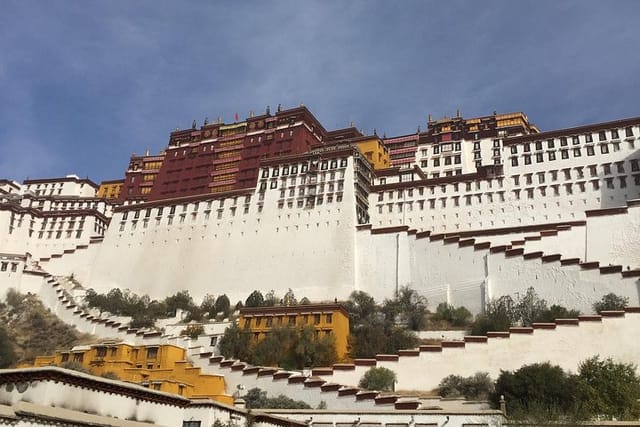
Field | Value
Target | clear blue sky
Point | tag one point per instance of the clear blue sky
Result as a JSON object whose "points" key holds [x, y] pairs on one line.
{"points": [[85, 83]]}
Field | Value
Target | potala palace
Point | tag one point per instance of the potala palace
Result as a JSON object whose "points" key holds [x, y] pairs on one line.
{"points": [[465, 211]]}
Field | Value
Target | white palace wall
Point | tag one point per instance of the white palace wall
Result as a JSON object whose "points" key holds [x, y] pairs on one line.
{"points": [[614, 238], [260, 240]]}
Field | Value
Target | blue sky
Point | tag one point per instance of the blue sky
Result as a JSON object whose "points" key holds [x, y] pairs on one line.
{"points": [[85, 83]]}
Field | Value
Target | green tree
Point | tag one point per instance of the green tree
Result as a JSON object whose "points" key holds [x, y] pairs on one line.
{"points": [[611, 301], [271, 299], [235, 343], [613, 389], [477, 386], [556, 312], [181, 300], [223, 305], [455, 316], [381, 379], [540, 389], [529, 308], [7, 353], [408, 308], [289, 298], [499, 316], [255, 299], [257, 398]]}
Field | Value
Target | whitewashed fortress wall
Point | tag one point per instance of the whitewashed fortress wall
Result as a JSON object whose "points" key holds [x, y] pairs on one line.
{"points": [[296, 230]]}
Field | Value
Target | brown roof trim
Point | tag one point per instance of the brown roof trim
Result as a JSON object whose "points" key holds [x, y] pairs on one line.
{"points": [[606, 211], [572, 131], [285, 309], [318, 152]]}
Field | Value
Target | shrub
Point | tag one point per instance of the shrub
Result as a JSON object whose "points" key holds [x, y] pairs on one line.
{"points": [[455, 316], [611, 301], [477, 386], [193, 331], [381, 379]]}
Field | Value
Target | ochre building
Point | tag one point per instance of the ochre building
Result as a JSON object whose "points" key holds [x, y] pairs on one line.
{"points": [[327, 319], [158, 367]]}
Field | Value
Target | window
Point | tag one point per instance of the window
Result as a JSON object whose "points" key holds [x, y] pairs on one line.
{"points": [[436, 149], [614, 134], [527, 159], [606, 169], [527, 147], [514, 161], [623, 181], [457, 146], [576, 152], [436, 162], [328, 318], [447, 160], [316, 319], [496, 143], [550, 143], [590, 150], [564, 154], [538, 145], [620, 167], [602, 136], [457, 159], [191, 424], [628, 132], [609, 183], [563, 141], [588, 138], [552, 155], [514, 149], [539, 158], [604, 149], [634, 165], [575, 140], [476, 145]]}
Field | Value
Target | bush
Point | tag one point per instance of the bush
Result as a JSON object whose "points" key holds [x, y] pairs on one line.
{"points": [[455, 316], [257, 398], [478, 386], [611, 302], [540, 389], [380, 379], [193, 331]]}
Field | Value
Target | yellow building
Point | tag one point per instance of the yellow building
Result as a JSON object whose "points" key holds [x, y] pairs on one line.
{"points": [[158, 367], [110, 189], [325, 318], [374, 150]]}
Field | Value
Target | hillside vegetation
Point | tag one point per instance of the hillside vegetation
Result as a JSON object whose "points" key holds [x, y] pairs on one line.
{"points": [[28, 329]]}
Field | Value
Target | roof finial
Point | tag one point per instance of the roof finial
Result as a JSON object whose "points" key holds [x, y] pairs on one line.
{"points": [[206, 121], [375, 132], [193, 125], [251, 113], [268, 110], [458, 113], [220, 119], [279, 107]]}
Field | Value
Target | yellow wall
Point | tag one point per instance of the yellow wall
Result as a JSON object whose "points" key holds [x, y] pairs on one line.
{"points": [[110, 190], [161, 367], [376, 152], [324, 318]]}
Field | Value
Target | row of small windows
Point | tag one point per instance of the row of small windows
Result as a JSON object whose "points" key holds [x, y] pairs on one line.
{"points": [[9, 266], [575, 140], [527, 159], [480, 198], [183, 208], [293, 169], [606, 169], [468, 186], [291, 320]]}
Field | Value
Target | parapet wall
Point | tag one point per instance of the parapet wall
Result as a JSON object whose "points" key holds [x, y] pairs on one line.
{"points": [[566, 343]]}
